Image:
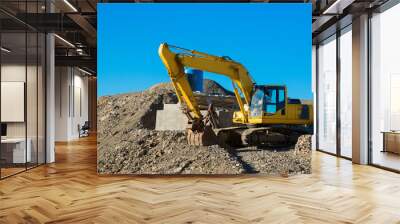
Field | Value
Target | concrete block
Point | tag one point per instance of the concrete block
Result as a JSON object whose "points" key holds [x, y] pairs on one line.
{"points": [[172, 107], [172, 118]]}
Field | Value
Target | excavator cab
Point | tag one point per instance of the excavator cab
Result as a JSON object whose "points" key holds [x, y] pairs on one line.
{"points": [[268, 100]]}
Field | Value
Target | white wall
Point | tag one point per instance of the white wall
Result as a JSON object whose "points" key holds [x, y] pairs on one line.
{"points": [[71, 102], [62, 82], [80, 105]]}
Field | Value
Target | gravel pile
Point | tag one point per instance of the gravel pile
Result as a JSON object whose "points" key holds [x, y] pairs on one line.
{"points": [[164, 152], [127, 143]]}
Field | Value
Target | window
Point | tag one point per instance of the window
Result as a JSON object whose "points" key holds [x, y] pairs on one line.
{"points": [[256, 107], [274, 100], [327, 95], [385, 88], [346, 92], [22, 77], [270, 101]]}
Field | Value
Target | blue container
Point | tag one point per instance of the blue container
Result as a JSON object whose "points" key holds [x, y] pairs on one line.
{"points": [[195, 78]]}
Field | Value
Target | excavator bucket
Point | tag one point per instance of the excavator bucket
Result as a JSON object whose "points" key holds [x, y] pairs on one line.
{"points": [[202, 132], [206, 137]]}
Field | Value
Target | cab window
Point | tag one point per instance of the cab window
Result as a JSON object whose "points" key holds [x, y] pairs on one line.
{"points": [[270, 101], [256, 107], [274, 100]]}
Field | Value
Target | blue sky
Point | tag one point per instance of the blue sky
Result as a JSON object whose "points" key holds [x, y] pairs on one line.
{"points": [[273, 41]]}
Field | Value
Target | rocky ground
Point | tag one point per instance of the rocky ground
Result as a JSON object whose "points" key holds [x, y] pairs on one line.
{"points": [[127, 143]]}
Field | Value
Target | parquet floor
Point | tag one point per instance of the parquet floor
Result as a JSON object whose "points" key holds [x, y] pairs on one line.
{"points": [[70, 191], [10, 171]]}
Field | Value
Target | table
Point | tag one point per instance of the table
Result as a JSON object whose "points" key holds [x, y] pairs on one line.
{"points": [[391, 141], [13, 150]]}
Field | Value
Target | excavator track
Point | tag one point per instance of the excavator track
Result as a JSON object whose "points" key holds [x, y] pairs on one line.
{"points": [[270, 137], [273, 137]]}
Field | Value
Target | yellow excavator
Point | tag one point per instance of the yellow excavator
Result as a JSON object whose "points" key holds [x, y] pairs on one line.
{"points": [[267, 117]]}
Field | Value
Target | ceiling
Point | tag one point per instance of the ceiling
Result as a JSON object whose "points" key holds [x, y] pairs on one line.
{"points": [[329, 16], [75, 22]]}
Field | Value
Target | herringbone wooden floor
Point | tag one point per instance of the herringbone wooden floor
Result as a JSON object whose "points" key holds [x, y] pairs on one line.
{"points": [[70, 191]]}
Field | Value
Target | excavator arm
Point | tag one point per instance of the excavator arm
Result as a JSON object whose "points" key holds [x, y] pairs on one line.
{"points": [[176, 62]]}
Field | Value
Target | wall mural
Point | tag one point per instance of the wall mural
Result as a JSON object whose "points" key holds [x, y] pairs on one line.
{"points": [[204, 89]]}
